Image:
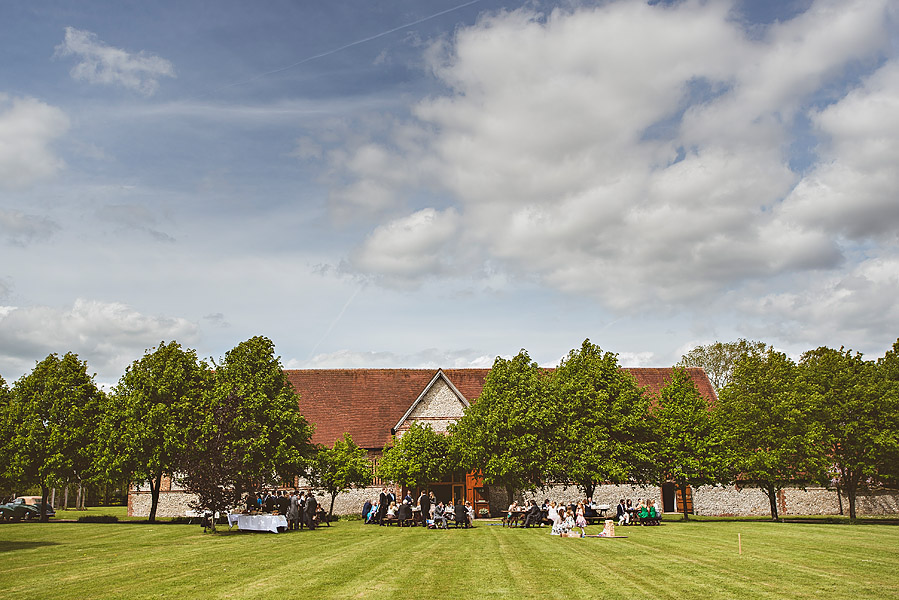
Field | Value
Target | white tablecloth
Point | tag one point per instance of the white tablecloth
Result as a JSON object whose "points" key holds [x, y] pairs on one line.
{"points": [[261, 522]]}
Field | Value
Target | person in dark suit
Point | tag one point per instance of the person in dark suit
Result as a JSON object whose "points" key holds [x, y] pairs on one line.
{"points": [[366, 508], [383, 503], [532, 517], [283, 503], [391, 497], [270, 501], [311, 505], [425, 503]]}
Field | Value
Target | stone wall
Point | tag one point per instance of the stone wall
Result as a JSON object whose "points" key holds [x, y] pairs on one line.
{"points": [[729, 501], [171, 504], [707, 500]]}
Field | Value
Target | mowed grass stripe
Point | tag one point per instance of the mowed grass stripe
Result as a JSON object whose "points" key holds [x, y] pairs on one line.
{"points": [[677, 560]]}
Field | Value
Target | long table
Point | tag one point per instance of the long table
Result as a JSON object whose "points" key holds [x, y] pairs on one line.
{"points": [[261, 522]]}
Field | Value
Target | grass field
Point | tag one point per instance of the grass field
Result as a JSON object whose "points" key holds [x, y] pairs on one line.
{"points": [[351, 560]]}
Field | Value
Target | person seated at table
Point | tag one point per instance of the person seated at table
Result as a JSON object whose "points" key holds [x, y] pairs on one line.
{"points": [[391, 513], [532, 517], [460, 515], [642, 512], [321, 516], [590, 508], [372, 518], [404, 512], [630, 510], [416, 514], [440, 516], [551, 513], [624, 517]]}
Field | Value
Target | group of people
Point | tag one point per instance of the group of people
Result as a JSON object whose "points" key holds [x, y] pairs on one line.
{"points": [[426, 510], [563, 518], [301, 509], [645, 513]]}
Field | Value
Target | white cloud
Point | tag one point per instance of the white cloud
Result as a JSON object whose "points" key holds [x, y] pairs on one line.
{"points": [[636, 359], [108, 335], [636, 153], [411, 247], [101, 63], [28, 128], [426, 359], [856, 307], [20, 228], [853, 190]]}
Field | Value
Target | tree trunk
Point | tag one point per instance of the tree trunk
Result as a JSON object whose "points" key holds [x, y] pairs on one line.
{"points": [[771, 492], [509, 492], [78, 505], [154, 496], [840, 498], [683, 498], [44, 493], [53, 498], [851, 493], [331, 510], [65, 498], [589, 488]]}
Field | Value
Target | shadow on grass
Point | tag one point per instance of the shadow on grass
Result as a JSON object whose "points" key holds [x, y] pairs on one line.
{"points": [[12, 546]]}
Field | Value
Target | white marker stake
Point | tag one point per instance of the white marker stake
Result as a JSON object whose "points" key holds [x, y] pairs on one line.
{"points": [[740, 543]]}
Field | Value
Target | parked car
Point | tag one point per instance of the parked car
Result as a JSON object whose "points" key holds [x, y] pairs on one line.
{"points": [[35, 501], [18, 510]]}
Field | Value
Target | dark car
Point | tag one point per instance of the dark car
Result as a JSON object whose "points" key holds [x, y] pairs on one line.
{"points": [[18, 510]]}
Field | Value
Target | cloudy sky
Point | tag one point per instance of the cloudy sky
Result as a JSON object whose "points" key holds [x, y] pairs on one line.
{"points": [[424, 184]]}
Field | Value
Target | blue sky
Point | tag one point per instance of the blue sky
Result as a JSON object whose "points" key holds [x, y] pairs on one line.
{"points": [[433, 184]]}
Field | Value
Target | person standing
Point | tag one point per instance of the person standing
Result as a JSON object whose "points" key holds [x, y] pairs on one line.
{"points": [[425, 503], [383, 503], [311, 505], [293, 513]]}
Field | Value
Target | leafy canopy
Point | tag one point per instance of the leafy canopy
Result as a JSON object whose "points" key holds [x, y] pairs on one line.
{"points": [[720, 358], [417, 457], [603, 432], [507, 433], [768, 425]]}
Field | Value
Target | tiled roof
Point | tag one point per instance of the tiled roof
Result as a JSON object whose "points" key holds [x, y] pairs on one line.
{"points": [[366, 403]]}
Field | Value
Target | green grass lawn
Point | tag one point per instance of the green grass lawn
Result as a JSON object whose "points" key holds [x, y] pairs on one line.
{"points": [[350, 560]]}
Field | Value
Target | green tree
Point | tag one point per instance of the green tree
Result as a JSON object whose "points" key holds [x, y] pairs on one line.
{"points": [[7, 431], [604, 434], [719, 359], [888, 380], [339, 468], [857, 412], [55, 409], [248, 429], [507, 433], [768, 425], [417, 457], [147, 419], [689, 445]]}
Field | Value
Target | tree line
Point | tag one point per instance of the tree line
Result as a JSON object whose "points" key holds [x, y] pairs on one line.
{"points": [[227, 427], [830, 419], [220, 429]]}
